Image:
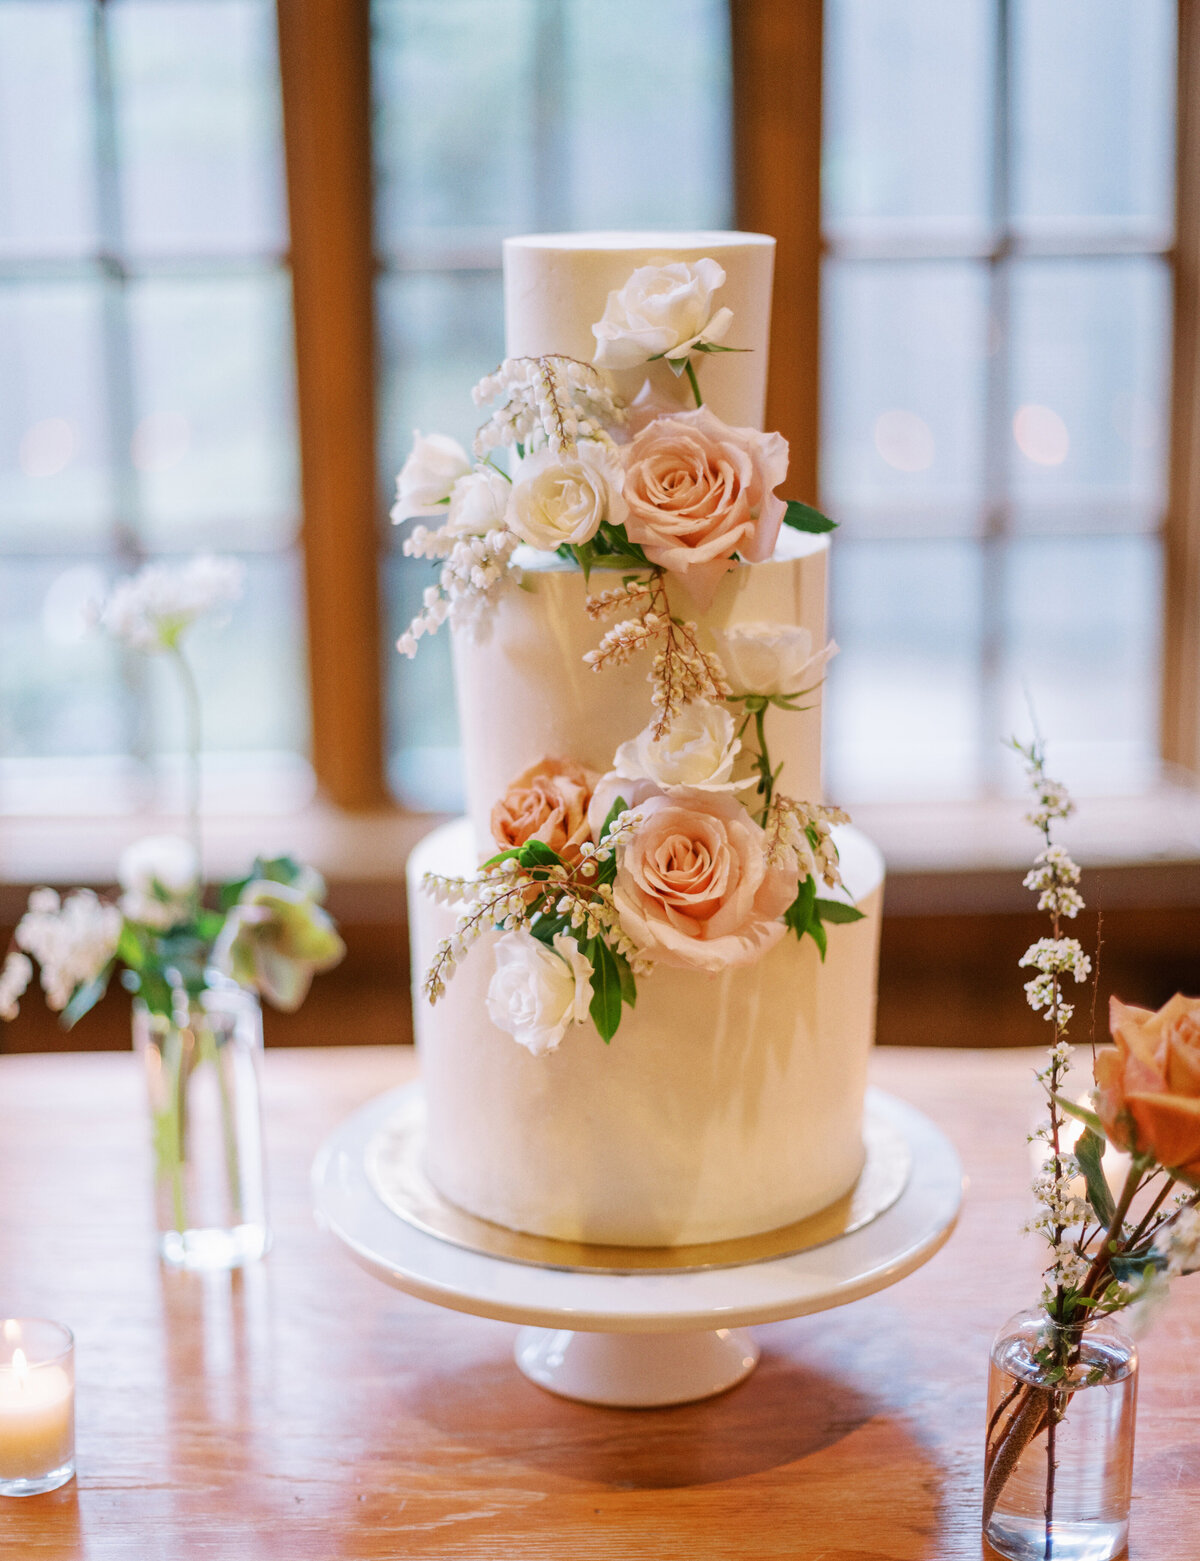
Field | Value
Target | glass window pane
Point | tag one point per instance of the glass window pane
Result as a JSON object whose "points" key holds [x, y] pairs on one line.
{"points": [[213, 439], [60, 692], [1093, 121], [901, 710], [657, 156], [903, 383], [54, 476], [908, 108], [46, 130], [1090, 353], [454, 118], [425, 769], [439, 334], [1082, 624], [199, 127]]}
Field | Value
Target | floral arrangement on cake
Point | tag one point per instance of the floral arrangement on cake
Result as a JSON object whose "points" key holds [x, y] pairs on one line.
{"points": [[1112, 1247], [687, 852], [267, 931]]}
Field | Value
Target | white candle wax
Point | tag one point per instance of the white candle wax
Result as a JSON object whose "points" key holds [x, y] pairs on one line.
{"points": [[37, 1415]]}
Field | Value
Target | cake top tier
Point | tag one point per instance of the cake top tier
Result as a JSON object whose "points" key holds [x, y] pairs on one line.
{"points": [[556, 287]]}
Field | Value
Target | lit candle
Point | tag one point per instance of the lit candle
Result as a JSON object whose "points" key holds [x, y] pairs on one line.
{"points": [[37, 1406]]}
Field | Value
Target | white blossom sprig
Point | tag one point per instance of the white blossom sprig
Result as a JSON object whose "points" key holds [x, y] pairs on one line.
{"points": [[15, 976], [475, 572], [800, 834], [73, 940], [551, 401], [681, 671]]}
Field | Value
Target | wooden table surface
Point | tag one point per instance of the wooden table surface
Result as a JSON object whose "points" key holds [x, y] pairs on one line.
{"points": [[302, 1409]]}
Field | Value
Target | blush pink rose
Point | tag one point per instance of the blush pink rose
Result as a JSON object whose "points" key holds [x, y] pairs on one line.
{"points": [[699, 491], [693, 888], [547, 802]]}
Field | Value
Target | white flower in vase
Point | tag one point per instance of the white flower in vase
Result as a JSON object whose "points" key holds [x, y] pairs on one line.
{"points": [[149, 611], [72, 940], [159, 876], [427, 477], [662, 311], [537, 993], [561, 499], [697, 752]]}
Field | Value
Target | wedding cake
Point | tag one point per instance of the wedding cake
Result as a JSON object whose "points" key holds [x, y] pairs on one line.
{"points": [[645, 960]]}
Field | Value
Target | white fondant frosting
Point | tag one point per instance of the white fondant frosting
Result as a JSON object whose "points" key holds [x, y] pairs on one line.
{"points": [[557, 284], [724, 1105]]}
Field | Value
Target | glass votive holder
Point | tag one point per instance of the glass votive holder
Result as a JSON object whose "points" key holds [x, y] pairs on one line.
{"points": [[37, 1406]]}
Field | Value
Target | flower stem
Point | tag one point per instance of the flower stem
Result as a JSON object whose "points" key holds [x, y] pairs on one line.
{"points": [[693, 381], [192, 740]]}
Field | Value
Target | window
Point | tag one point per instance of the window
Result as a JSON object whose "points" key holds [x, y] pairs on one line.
{"points": [[146, 400], [998, 212]]}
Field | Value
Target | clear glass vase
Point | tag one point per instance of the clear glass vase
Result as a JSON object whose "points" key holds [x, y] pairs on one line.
{"points": [[1059, 1460], [202, 1072]]}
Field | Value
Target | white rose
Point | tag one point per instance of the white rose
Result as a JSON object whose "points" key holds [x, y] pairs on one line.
{"points": [[158, 875], [661, 311], [478, 502], [697, 752], [560, 498], [771, 658], [428, 476], [535, 994]]}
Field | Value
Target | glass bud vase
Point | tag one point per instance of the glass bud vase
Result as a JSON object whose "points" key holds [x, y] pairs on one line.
{"points": [[1059, 1458], [202, 1072]]}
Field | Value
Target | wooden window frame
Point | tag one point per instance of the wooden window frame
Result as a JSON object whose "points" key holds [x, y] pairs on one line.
{"points": [[777, 69]]}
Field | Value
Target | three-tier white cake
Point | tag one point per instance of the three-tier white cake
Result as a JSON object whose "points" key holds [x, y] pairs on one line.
{"points": [[727, 1103]]}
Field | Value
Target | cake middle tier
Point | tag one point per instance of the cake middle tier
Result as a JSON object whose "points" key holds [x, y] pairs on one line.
{"points": [[525, 692]]}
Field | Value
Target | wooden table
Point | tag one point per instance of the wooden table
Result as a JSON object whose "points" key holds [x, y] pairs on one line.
{"points": [[303, 1410]]}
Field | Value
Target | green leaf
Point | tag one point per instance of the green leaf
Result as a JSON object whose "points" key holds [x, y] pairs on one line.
{"points": [[1090, 1152], [500, 856], [605, 1007], [714, 346], [85, 997], [799, 913], [838, 911], [1127, 1266], [585, 557], [802, 517], [628, 983], [1081, 1114], [545, 928], [131, 949], [536, 853], [818, 934]]}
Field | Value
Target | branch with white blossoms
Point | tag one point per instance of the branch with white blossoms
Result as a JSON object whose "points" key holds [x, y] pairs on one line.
{"points": [[681, 671], [546, 402], [532, 887], [476, 571], [74, 942]]}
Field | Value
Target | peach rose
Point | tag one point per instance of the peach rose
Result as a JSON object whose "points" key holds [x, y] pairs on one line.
{"points": [[546, 802], [1148, 1088], [699, 491], [693, 888]]}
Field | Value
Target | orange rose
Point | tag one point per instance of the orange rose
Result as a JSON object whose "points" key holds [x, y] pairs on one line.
{"points": [[1148, 1088], [546, 802]]}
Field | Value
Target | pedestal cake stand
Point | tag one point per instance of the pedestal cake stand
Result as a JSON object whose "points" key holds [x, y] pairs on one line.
{"points": [[647, 1336]]}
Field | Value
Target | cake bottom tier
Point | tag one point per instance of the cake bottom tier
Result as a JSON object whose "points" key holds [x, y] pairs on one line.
{"points": [[725, 1105]]}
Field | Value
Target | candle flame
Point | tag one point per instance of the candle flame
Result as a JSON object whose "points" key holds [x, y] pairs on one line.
{"points": [[20, 1366]]}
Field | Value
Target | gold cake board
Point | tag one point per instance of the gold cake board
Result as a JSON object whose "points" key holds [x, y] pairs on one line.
{"points": [[394, 1167]]}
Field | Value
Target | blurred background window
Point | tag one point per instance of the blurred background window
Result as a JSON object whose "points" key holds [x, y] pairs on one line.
{"points": [[146, 395], [998, 195], [998, 200]]}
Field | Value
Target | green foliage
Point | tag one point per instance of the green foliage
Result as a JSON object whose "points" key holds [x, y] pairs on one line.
{"points": [[807, 914], [85, 997], [1089, 1151], [803, 517], [605, 1007]]}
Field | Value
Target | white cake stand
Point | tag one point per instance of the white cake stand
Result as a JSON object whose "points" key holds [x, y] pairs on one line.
{"points": [[651, 1337]]}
